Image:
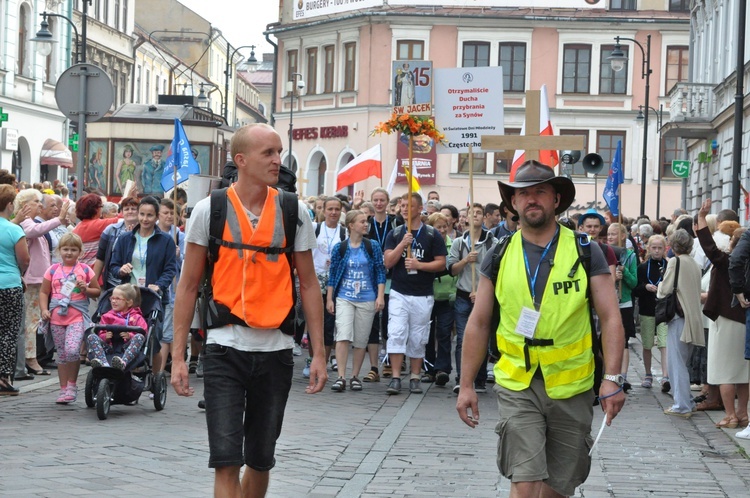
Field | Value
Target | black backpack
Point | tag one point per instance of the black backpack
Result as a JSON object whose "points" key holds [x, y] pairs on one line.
{"points": [[215, 314], [342, 231], [584, 258], [365, 242]]}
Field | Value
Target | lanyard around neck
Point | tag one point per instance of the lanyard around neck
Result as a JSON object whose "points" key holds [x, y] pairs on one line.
{"points": [[532, 279]]}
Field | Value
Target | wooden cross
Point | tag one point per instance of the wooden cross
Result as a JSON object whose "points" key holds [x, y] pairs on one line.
{"points": [[532, 142]]}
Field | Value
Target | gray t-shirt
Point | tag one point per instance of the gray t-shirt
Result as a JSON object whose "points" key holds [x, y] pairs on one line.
{"points": [[534, 254], [237, 336]]}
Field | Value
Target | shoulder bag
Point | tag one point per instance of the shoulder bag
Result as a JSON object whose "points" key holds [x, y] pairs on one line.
{"points": [[666, 307]]}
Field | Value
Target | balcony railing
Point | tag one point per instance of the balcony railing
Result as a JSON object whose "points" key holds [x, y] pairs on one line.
{"points": [[692, 102]]}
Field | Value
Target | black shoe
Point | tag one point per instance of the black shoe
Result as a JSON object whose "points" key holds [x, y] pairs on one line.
{"points": [[414, 386], [428, 378], [8, 390], [665, 386], [25, 377], [456, 389], [442, 378], [394, 386], [480, 386], [202, 404]]}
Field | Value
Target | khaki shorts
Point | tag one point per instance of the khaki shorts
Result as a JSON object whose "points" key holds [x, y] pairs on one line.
{"points": [[649, 329], [543, 439]]}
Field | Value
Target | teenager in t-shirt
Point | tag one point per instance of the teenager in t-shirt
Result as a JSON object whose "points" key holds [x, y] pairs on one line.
{"points": [[415, 253]]}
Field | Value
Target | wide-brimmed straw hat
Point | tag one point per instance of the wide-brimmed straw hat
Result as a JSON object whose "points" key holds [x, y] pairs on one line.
{"points": [[534, 173]]}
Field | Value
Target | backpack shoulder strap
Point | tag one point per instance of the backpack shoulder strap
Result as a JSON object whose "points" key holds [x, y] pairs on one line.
{"points": [[342, 233], [290, 212], [497, 256], [317, 228], [368, 246], [217, 219]]}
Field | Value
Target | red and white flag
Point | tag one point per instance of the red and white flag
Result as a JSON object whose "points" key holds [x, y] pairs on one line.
{"points": [[360, 168], [548, 157]]}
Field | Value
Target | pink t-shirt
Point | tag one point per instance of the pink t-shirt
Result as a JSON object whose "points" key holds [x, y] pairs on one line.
{"points": [[57, 274]]}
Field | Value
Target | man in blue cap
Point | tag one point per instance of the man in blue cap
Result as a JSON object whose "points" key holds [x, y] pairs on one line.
{"points": [[591, 222], [153, 170]]}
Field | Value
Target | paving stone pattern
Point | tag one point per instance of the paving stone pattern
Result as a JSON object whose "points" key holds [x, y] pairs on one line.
{"points": [[351, 444]]}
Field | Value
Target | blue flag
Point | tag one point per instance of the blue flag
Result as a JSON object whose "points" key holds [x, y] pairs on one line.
{"points": [[614, 180], [180, 157]]}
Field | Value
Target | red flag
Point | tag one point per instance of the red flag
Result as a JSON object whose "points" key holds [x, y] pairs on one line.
{"points": [[548, 157], [360, 168]]}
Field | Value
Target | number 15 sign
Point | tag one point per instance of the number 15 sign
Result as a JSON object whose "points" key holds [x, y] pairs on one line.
{"points": [[412, 87], [468, 104]]}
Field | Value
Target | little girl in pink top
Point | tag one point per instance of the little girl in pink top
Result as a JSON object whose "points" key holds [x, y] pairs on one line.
{"points": [[123, 312], [64, 301]]}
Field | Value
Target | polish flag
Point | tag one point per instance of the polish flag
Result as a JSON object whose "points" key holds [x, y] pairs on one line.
{"points": [[548, 157], [360, 168]]}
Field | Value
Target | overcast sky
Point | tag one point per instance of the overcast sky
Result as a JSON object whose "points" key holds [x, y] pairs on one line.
{"points": [[241, 21]]}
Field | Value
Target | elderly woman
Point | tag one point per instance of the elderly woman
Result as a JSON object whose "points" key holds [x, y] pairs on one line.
{"points": [[684, 331], [14, 259], [92, 225], [727, 366], [39, 250]]}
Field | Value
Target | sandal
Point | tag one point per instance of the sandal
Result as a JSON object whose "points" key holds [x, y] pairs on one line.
{"points": [[41, 371], [728, 423], [339, 385], [743, 422], [355, 384], [704, 406], [372, 376], [648, 381]]}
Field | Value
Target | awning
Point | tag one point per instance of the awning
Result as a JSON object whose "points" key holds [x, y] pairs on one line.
{"points": [[54, 153]]}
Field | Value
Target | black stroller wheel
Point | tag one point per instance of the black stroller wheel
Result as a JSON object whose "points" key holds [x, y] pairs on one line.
{"points": [[91, 388], [160, 391], [103, 400]]}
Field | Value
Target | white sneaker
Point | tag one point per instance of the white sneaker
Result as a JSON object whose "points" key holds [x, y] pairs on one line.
{"points": [[744, 433], [297, 350]]}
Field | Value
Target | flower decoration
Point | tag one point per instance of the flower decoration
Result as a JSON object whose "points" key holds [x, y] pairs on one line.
{"points": [[411, 126]]}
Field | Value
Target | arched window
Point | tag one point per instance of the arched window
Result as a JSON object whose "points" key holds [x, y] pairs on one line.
{"points": [[322, 166]]}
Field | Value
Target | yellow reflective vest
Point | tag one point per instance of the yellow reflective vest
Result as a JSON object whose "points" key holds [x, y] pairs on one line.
{"points": [[562, 345]]}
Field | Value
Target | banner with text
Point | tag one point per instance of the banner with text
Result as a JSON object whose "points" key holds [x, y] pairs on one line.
{"points": [[468, 104], [424, 159], [515, 4], [305, 9], [412, 87]]}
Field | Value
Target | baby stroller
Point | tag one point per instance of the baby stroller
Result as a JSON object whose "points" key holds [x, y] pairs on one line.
{"points": [[107, 386]]}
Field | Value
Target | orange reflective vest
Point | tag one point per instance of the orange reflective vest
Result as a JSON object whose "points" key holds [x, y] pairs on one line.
{"points": [[256, 287]]}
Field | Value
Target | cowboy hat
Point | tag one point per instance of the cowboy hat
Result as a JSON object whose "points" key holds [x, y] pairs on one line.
{"points": [[534, 173]]}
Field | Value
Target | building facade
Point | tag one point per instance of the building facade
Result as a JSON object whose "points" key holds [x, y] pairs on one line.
{"points": [[701, 111], [345, 57]]}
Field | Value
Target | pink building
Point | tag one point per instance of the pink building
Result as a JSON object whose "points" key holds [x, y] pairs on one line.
{"points": [[344, 55]]}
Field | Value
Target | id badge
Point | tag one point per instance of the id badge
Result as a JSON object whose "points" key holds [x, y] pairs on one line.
{"points": [[67, 288], [527, 322], [141, 281]]}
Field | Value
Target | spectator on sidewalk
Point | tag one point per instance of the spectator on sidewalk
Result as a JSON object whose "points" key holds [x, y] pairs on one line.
{"points": [[684, 331]]}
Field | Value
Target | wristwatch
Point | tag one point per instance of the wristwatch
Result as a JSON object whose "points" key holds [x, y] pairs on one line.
{"points": [[617, 379]]}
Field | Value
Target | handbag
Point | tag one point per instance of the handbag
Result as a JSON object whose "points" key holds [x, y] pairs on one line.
{"points": [[666, 307]]}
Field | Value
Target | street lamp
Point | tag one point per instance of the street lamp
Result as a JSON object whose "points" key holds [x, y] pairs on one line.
{"points": [[300, 85], [45, 39], [617, 61], [659, 122], [203, 97], [228, 73]]}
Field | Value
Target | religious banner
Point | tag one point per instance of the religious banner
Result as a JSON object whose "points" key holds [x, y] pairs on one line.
{"points": [[468, 104], [412, 88], [424, 159]]}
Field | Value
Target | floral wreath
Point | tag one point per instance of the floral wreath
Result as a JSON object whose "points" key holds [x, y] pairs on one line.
{"points": [[410, 125]]}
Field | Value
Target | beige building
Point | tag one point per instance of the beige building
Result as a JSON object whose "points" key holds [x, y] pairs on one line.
{"points": [[344, 56]]}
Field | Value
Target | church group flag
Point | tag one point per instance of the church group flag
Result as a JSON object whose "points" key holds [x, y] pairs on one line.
{"points": [[180, 157], [616, 177], [363, 166]]}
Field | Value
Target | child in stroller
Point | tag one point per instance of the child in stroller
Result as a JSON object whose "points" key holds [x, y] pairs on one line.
{"points": [[123, 345]]}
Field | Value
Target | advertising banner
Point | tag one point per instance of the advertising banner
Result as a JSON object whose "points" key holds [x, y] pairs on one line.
{"points": [[305, 9], [468, 104], [412, 87], [518, 4], [424, 159]]}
